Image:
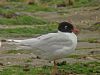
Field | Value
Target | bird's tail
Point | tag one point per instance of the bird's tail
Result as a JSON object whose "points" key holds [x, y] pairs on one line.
{"points": [[10, 41], [15, 42]]}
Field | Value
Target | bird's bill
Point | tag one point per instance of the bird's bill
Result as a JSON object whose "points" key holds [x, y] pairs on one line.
{"points": [[76, 31]]}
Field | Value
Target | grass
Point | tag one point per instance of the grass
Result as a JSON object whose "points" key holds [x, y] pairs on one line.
{"points": [[45, 5], [90, 40], [85, 3], [12, 14], [90, 68], [28, 31], [34, 8], [8, 11], [79, 56], [22, 20], [95, 27], [89, 48], [16, 52], [21, 6], [75, 56]]}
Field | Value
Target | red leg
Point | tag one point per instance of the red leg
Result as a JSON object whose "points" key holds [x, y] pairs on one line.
{"points": [[54, 71]]}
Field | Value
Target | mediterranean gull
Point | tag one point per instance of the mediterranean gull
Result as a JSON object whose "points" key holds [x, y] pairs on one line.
{"points": [[52, 46]]}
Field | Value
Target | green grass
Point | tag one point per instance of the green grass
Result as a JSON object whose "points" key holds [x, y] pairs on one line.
{"points": [[36, 8], [21, 6], [85, 3], [16, 51], [88, 48], [28, 31], [75, 56], [18, 70], [90, 40], [9, 10], [6, 12], [12, 13], [95, 26], [80, 56], [80, 3], [90, 68], [22, 20]]}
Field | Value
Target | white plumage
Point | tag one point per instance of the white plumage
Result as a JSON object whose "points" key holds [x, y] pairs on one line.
{"points": [[51, 46]]}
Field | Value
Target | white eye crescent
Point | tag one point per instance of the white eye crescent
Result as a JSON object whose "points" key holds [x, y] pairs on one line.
{"points": [[66, 27]]}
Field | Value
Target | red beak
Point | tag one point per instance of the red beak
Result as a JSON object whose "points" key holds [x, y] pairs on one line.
{"points": [[76, 31]]}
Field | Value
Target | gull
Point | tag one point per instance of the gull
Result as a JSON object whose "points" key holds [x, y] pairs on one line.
{"points": [[52, 46]]}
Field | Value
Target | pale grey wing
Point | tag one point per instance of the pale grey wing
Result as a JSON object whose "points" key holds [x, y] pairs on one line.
{"points": [[53, 46], [29, 42], [40, 44], [55, 42], [35, 42]]}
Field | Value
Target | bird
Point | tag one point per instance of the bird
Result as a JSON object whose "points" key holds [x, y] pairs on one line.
{"points": [[52, 46]]}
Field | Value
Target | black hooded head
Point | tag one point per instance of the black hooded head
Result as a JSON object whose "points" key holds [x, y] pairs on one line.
{"points": [[65, 27]]}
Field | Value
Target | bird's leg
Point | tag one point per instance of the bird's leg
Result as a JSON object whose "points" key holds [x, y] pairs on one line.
{"points": [[54, 70]]}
